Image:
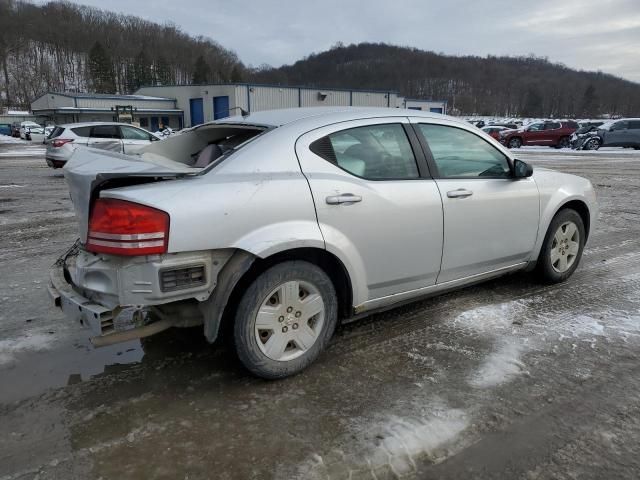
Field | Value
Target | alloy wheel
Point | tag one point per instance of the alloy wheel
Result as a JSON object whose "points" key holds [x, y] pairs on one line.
{"points": [[289, 320]]}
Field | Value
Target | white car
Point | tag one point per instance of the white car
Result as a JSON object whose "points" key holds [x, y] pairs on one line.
{"points": [[115, 137], [284, 222], [26, 127]]}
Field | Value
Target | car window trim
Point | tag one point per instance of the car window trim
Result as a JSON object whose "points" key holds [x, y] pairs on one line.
{"points": [[433, 167], [117, 127], [421, 165]]}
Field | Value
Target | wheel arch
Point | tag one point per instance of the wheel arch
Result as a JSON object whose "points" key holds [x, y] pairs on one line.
{"points": [[219, 315]]}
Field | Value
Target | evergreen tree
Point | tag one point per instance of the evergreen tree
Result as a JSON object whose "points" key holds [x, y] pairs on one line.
{"points": [[533, 104], [101, 70], [201, 71]]}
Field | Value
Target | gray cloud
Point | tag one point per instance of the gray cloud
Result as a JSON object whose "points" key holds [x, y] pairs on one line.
{"points": [[584, 34]]}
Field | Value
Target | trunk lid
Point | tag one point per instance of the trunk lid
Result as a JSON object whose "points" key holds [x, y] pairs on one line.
{"points": [[89, 171]]}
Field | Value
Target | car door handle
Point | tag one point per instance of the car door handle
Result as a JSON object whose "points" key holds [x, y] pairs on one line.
{"points": [[347, 198], [460, 193]]}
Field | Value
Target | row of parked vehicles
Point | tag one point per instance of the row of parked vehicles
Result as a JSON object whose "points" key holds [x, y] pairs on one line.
{"points": [[587, 135]]}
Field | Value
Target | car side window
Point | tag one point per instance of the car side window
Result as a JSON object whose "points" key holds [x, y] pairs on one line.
{"points": [[461, 154], [634, 125], [82, 131], [619, 126], [132, 133], [105, 131], [374, 152]]}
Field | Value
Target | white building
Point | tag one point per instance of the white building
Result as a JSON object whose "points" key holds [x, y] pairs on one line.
{"points": [[181, 106]]}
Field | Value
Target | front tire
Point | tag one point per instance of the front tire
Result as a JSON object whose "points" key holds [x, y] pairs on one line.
{"points": [[562, 248], [285, 319], [592, 144]]}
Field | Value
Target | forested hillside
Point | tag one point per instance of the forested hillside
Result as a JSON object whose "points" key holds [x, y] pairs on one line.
{"points": [[505, 86], [60, 46]]}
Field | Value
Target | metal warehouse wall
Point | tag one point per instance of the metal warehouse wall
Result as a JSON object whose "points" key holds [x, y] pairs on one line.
{"points": [[109, 102], [50, 101], [269, 98], [366, 99], [312, 98]]}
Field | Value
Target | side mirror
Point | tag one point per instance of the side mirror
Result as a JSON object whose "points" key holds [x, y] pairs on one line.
{"points": [[521, 169]]}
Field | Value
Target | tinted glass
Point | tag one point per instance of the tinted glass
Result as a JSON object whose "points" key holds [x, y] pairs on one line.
{"points": [[536, 127], [634, 124], [56, 132], [619, 126], [82, 131], [553, 125], [458, 153], [132, 133], [105, 131], [377, 152]]}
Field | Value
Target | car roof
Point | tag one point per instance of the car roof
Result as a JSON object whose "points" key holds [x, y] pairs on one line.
{"points": [[325, 115]]}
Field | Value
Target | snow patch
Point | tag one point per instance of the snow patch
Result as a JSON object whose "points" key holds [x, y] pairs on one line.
{"points": [[499, 367], [11, 347]]}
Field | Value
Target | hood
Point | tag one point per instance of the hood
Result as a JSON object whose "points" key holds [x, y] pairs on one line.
{"points": [[91, 170]]}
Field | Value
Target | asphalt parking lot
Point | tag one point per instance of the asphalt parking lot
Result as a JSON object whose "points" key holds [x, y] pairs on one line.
{"points": [[506, 380]]}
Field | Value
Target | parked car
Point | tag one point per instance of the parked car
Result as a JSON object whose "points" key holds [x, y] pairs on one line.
{"points": [[494, 131], [507, 125], [25, 128], [287, 221], [35, 134], [115, 137], [15, 129], [548, 133], [616, 133], [585, 127], [5, 129]]}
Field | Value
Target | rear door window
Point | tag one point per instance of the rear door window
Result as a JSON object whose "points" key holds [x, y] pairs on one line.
{"points": [[634, 125], [373, 152], [81, 131], [105, 131]]}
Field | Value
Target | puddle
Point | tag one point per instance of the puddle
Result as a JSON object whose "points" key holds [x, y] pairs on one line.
{"points": [[32, 365]]}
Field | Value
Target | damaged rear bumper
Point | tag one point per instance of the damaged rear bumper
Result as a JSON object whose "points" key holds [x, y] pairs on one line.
{"points": [[112, 296]]}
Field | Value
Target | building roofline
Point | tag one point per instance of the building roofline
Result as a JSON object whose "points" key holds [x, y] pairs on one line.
{"points": [[106, 96], [272, 85], [425, 100]]}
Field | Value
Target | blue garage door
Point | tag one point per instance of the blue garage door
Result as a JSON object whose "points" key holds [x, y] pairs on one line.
{"points": [[154, 124], [220, 107], [197, 112], [435, 109]]}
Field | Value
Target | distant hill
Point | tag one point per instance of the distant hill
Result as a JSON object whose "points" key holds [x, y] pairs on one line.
{"points": [[504, 86], [60, 46]]}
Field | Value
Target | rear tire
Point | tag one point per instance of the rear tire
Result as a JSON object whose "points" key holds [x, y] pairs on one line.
{"points": [[562, 248], [285, 319], [515, 143], [564, 142]]}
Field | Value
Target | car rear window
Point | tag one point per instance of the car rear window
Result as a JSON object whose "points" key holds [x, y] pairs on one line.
{"points": [[82, 131]]}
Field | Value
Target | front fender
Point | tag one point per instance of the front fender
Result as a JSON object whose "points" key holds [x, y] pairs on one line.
{"points": [[557, 190]]}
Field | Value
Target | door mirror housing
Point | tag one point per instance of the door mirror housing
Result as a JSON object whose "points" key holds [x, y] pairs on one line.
{"points": [[521, 169]]}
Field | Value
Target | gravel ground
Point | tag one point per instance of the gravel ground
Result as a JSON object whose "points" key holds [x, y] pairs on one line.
{"points": [[505, 380]]}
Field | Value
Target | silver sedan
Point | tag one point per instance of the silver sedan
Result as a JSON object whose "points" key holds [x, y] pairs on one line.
{"points": [[282, 223]]}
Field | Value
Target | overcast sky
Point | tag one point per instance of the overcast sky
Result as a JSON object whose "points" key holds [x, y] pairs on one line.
{"points": [[584, 34]]}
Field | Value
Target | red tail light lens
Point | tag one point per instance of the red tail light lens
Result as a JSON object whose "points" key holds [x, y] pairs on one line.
{"points": [[126, 228], [58, 142]]}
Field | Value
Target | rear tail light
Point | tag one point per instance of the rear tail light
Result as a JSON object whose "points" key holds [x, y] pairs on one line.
{"points": [[126, 228], [58, 142]]}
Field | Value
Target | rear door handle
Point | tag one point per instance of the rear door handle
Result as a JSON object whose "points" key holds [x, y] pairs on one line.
{"points": [[460, 193], [346, 198]]}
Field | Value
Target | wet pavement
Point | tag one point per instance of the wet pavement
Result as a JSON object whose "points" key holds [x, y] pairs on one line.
{"points": [[509, 379]]}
